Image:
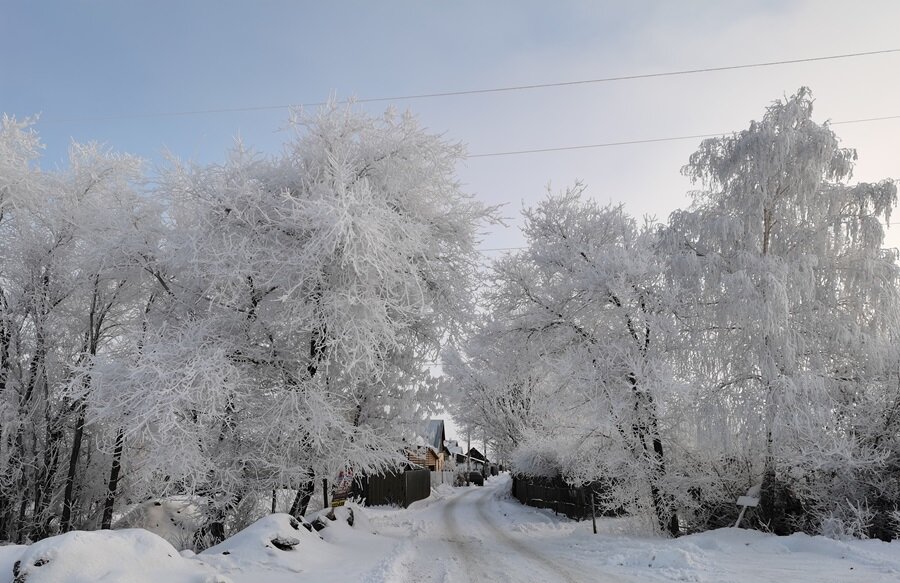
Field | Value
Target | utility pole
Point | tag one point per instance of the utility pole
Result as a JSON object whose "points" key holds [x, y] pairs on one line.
{"points": [[468, 454], [485, 471]]}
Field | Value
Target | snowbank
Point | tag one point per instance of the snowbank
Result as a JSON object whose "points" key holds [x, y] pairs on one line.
{"points": [[277, 544], [132, 555], [267, 536], [9, 554], [279, 549], [275, 549]]}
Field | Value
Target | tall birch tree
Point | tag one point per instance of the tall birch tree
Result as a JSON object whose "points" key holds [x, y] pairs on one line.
{"points": [[793, 296]]}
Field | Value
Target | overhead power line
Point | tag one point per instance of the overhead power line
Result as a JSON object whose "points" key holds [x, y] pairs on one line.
{"points": [[589, 146], [648, 140], [481, 91]]}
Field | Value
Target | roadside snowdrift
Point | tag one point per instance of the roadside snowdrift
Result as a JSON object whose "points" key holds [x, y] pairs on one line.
{"points": [[276, 548], [132, 555], [458, 535]]}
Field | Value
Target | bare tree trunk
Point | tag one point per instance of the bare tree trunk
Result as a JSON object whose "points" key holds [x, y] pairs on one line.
{"points": [[26, 410], [44, 488], [663, 502], [20, 519], [91, 341], [113, 484], [65, 522], [304, 495], [6, 502], [646, 427], [307, 485]]}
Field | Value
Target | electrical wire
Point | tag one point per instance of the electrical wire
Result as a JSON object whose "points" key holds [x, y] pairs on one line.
{"points": [[649, 140], [481, 91]]}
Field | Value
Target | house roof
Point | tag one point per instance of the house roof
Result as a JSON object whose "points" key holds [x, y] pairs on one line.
{"points": [[477, 455], [453, 447], [434, 434]]}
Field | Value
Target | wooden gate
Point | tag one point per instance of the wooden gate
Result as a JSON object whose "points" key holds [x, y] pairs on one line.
{"points": [[401, 489]]}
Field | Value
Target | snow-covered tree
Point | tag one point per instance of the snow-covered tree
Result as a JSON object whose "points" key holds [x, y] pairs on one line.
{"points": [[584, 303], [68, 286], [305, 295], [790, 302]]}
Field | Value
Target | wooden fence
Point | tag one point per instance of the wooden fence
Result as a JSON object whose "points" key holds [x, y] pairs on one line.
{"points": [[402, 488], [555, 494]]}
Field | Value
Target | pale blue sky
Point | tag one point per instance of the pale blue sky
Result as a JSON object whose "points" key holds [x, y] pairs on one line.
{"points": [[82, 59]]}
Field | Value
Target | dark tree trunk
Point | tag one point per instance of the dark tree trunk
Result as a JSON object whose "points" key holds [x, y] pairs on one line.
{"points": [[5, 517], [20, 457], [65, 522], [20, 519], [778, 506], [6, 506], [307, 485], [113, 484], [301, 500], [646, 427], [663, 503], [44, 488], [96, 317]]}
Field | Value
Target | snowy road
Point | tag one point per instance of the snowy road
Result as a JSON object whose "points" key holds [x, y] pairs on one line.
{"points": [[471, 536], [479, 534]]}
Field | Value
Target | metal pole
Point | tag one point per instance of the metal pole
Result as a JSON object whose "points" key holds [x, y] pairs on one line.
{"points": [[740, 517]]}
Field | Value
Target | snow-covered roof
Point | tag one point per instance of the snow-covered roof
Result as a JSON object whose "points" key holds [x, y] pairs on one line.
{"points": [[454, 449], [477, 455]]}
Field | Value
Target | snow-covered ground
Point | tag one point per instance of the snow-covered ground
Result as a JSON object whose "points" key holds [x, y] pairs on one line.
{"points": [[457, 535], [482, 534]]}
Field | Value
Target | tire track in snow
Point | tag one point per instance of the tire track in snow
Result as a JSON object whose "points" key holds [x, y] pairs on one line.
{"points": [[524, 550], [478, 552], [520, 547], [465, 531], [456, 537], [570, 572]]}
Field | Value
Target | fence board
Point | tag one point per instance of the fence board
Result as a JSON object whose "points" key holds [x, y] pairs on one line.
{"points": [[417, 486]]}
